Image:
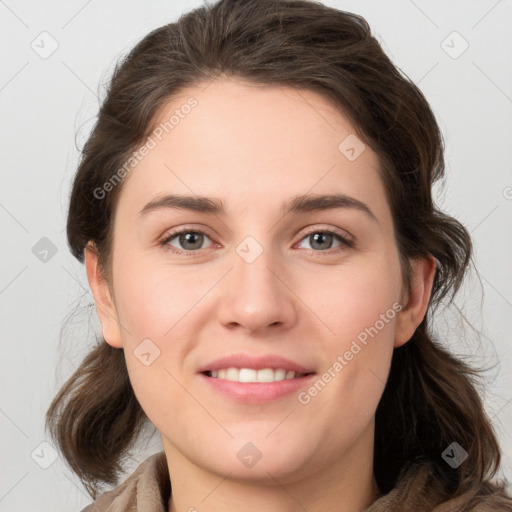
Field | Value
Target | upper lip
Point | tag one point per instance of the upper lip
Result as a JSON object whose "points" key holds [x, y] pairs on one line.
{"points": [[255, 362]]}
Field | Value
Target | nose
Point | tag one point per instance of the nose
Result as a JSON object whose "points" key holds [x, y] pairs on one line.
{"points": [[257, 295]]}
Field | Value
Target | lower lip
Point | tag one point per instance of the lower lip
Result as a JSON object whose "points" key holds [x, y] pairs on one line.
{"points": [[257, 392]]}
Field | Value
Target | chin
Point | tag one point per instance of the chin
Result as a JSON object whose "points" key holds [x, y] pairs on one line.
{"points": [[260, 459]]}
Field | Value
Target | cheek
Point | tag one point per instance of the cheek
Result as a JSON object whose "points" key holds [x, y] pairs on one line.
{"points": [[153, 304], [360, 311], [154, 307], [358, 298], [151, 301]]}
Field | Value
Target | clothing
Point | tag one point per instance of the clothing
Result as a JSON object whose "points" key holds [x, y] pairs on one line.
{"points": [[148, 490]]}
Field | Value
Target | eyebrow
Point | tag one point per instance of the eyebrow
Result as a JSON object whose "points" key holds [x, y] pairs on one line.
{"points": [[299, 204]]}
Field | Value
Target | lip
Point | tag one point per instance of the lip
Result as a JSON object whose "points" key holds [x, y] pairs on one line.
{"points": [[256, 392], [242, 360]]}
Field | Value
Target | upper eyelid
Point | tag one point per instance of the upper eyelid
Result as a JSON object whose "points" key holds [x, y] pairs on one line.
{"points": [[337, 231]]}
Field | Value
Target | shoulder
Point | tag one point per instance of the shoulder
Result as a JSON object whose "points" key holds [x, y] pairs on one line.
{"points": [[147, 488], [420, 488], [490, 497]]}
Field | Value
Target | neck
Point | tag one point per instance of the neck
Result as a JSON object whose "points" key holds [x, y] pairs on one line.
{"points": [[347, 485]]}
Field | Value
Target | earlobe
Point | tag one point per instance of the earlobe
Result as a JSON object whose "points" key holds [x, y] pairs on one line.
{"points": [[105, 306], [417, 299]]}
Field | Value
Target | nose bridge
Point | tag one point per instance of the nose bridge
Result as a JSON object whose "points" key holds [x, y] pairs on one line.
{"points": [[256, 296], [254, 266]]}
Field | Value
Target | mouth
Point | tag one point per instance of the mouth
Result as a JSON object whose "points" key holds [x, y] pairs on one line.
{"points": [[252, 375], [255, 379]]}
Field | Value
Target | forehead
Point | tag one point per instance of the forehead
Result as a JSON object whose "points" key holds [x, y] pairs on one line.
{"points": [[239, 140]]}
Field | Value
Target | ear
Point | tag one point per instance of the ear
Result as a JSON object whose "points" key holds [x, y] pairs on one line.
{"points": [[416, 299], [102, 297]]}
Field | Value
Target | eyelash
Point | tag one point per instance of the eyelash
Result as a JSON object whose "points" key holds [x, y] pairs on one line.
{"points": [[346, 243]]}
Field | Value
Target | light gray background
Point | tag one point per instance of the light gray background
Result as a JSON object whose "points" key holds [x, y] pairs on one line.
{"points": [[46, 102]]}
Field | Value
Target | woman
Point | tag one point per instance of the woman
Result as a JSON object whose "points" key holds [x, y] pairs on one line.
{"points": [[280, 374]]}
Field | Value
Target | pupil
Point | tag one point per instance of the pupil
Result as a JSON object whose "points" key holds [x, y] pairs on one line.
{"points": [[320, 237], [188, 238]]}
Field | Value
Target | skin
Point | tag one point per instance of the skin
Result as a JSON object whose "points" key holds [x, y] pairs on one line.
{"points": [[255, 147]]}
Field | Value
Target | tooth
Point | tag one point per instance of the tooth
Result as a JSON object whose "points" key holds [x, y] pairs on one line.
{"points": [[280, 374], [247, 375], [250, 375], [232, 374], [266, 375]]}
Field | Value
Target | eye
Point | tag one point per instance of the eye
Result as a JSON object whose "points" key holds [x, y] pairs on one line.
{"points": [[322, 240], [189, 242], [187, 239]]}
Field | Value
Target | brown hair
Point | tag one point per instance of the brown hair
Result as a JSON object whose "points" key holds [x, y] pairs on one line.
{"points": [[430, 399]]}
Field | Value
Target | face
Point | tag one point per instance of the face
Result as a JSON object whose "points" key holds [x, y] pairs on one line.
{"points": [[306, 292]]}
